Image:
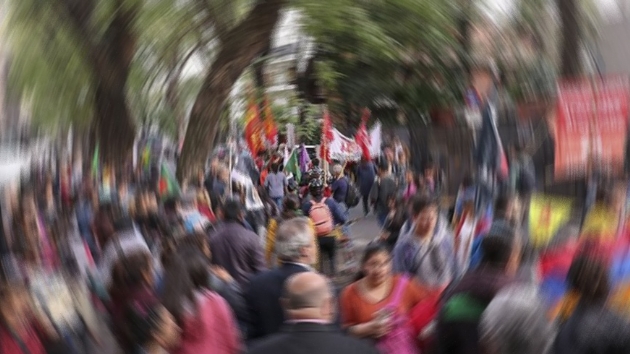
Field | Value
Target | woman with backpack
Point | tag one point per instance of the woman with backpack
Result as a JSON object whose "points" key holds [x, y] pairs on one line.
{"points": [[326, 215], [377, 305]]}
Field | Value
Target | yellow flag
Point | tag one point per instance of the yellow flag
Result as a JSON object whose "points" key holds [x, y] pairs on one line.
{"points": [[546, 216], [601, 222]]}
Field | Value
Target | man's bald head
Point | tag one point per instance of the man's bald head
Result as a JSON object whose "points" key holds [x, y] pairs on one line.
{"points": [[306, 296]]}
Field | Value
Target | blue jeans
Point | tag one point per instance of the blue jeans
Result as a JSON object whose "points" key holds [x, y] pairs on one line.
{"points": [[278, 202], [381, 217], [345, 228]]}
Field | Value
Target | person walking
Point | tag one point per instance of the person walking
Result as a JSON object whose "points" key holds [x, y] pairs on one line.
{"points": [[237, 249], [366, 174], [276, 184], [427, 251], [592, 327], [297, 252], [326, 215], [458, 322], [309, 303], [377, 306], [339, 188], [382, 191]]}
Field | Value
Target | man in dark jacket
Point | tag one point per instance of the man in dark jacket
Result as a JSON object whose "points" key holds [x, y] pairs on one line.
{"points": [[310, 306], [235, 248], [382, 192], [366, 174], [296, 250], [463, 306]]}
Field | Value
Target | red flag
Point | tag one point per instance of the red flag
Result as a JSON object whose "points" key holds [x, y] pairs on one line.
{"points": [[363, 137], [327, 136], [253, 129], [271, 130]]}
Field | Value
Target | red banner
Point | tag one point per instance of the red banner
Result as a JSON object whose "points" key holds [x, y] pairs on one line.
{"points": [[572, 133], [591, 126], [611, 124]]}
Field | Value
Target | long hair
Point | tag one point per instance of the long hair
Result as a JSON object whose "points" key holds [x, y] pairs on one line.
{"points": [[128, 274], [178, 287]]}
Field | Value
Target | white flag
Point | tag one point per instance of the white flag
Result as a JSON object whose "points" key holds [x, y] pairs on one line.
{"points": [[376, 139]]}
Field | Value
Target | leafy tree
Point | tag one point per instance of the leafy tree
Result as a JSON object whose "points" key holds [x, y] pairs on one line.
{"points": [[79, 54], [240, 42], [401, 47]]}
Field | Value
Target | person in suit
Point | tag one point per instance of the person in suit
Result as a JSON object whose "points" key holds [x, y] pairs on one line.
{"points": [[310, 307], [296, 252]]}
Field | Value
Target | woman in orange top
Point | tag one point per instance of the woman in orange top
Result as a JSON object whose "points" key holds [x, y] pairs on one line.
{"points": [[364, 301]]}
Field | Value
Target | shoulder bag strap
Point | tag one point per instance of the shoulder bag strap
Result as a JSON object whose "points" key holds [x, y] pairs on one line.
{"points": [[398, 291]]}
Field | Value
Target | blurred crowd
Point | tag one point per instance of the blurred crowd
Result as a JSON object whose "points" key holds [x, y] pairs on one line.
{"points": [[228, 263]]}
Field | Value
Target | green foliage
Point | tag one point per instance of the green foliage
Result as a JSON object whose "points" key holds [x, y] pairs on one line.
{"points": [[367, 47], [47, 66]]}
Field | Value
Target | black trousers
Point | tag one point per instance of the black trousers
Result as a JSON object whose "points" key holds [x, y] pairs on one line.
{"points": [[366, 204], [328, 248]]}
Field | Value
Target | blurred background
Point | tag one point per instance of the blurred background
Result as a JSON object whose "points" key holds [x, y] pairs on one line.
{"points": [[77, 74]]}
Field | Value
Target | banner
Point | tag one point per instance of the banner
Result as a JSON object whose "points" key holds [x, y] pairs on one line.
{"points": [[546, 216], [611, 124], [591, 126], [342, 148], [572, 133]]}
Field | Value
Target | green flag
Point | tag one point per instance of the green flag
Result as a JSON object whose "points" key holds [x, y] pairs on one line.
{"points": [[292, 165], [168, 186], [95, 163]]}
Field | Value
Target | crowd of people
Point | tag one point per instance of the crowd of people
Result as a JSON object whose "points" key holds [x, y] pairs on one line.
{"points": [[227, 267]]}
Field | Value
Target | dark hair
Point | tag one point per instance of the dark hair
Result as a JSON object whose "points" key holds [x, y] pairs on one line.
{"points": [[232, 210], [197, 269], [420, 203], [128, 273], [502, 203], [195, 241], [123, 224], [588, 276], [143, 322], [315, 161], [467, 181], [170, 204], [178, 287], [275, 167], [604, 194], [383, 165], [496, 250], [291, 203], [370, 251]]}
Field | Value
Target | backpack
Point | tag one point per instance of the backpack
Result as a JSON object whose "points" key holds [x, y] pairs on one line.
{"points": [[353, 195], [322, 218]]}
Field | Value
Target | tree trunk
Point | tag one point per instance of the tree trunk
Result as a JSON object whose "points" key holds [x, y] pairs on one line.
{"points": [[570, 55], [243, 43], [109, 59], [464, 26]]}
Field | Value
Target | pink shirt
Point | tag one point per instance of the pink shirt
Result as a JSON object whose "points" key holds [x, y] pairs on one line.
{"points": [[410, 191], [212, 329]]}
